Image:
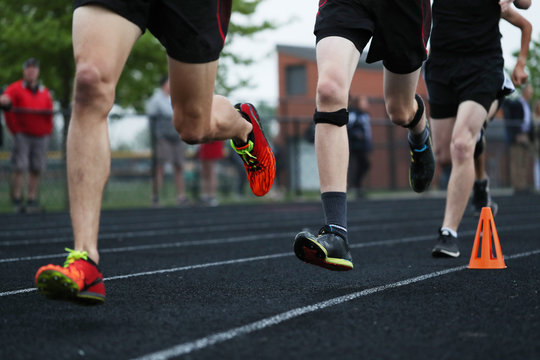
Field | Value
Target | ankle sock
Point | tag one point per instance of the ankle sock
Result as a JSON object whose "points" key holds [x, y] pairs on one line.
{"points": [[335, 211], [452, 232]]}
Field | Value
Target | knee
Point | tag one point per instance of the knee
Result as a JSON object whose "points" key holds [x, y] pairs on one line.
{"points": [[330, 93], [461, 151], [90, 89], [398, 113]]}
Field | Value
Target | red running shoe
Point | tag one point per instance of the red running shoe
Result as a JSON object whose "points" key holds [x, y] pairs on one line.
{"points": [[257, 155], [78, 280]]}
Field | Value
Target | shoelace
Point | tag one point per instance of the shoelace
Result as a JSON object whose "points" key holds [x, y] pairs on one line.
{"points": [[74, 255], [250, 160]]}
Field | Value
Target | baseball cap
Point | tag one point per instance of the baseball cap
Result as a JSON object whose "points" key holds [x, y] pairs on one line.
{"points": [[31, 62]]}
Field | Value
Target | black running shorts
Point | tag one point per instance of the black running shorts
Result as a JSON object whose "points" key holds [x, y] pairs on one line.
{"points": [[451, 81], [399, 29], [192, 31]]}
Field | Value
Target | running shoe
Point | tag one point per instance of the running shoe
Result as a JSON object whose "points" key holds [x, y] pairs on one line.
{"points": [[422, 166], [258, 158], [79, 280], [482, 198], [446, 246], [327, 250]]}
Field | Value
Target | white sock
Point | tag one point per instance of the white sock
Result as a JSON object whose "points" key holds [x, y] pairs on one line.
{"points": [[452, 232]]}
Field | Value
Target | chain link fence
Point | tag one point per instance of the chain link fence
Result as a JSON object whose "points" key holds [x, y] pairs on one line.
{"points": [[130, 183]]}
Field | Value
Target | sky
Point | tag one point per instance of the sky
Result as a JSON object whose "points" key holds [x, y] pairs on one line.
{"points": [[298, 19]]}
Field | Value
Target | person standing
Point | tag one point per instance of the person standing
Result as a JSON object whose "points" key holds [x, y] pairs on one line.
{"points": [[28, 110], [399, 31], [104, 32], [359, 134], [167, 146]]}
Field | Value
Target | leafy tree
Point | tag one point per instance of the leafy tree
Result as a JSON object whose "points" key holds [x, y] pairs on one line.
{"points": [[532, 66], [42, 29]]}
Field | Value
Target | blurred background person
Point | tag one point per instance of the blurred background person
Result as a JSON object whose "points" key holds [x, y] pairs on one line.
{"points": [[167, 146], [519, 135], [360, 144], [209, 155], [28, 110], [536, 123]]}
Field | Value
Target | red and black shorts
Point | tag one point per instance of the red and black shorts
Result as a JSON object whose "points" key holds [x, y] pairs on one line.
{"points": [[453, 80], [399, 29], [192, 31]]}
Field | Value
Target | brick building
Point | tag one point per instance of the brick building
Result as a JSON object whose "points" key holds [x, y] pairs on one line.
{"points": [[297, 71]]}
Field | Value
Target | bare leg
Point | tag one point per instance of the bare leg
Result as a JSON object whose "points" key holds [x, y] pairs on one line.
{"points": [[336, 62], [33, 183], [199, 115], [102, 42], [16, 184], [469, 120], [179, 183], [399, 92]]}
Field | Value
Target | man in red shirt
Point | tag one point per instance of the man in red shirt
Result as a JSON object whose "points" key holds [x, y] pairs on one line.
{"points": [[28, 110]]}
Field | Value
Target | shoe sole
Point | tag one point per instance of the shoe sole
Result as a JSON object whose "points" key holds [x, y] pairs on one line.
{"points": [[311, 252], [55, 285], [441, 253]]}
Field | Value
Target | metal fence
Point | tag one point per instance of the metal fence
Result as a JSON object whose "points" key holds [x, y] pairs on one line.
{"points": [[130, 183]]}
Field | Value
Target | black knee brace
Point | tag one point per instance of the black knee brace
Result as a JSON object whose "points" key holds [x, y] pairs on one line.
{"points": [[338, 118], [419, 112]]}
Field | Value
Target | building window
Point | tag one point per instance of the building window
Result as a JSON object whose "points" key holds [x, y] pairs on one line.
{"points": [[296, 79]]}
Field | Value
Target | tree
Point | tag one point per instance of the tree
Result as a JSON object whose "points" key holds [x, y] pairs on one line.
{"points": [[533, 65], [42, 29]]}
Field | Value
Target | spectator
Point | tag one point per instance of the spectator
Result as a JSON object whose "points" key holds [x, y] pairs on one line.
{"points": [[519, 134], [359, 134], [209, 154], [167, 146], [28, 110], [536, 121]]}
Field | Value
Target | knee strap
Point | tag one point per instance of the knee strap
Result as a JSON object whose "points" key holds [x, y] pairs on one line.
{"points": [[338, 118], [419, 113]]}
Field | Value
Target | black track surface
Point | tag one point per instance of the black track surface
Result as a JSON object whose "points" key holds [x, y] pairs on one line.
{"points": [[223, 283]]}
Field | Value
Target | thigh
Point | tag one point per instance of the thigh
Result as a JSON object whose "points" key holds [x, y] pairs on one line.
{"points": [[103, 39], [192, 90], [441, 134], [470, 118], [337, 59]]}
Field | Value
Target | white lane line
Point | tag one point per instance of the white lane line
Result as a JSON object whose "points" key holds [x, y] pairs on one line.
{"points": [[163, 271], [207, 341], [259, 237]]}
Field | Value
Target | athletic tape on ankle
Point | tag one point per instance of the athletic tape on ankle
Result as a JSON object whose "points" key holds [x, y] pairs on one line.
{"points": [[338, 118], [418, 114]]}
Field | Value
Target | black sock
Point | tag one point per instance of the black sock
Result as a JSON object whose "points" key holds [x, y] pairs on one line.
{"points": [[418, 140], [335, 211]]}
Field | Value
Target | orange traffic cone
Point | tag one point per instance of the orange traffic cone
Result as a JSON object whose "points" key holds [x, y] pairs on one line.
{"points": [[486, 260]]}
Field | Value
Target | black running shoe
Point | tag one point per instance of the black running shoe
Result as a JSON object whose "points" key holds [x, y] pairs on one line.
{"points": [[482, 198], [422, 166], [447, 245], [327, 250]]}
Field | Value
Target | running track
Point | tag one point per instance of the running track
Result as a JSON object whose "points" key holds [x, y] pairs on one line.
{"points": [[223, 283]]}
